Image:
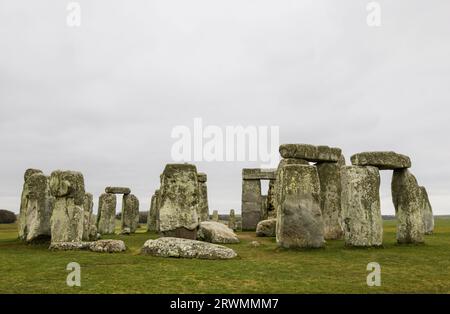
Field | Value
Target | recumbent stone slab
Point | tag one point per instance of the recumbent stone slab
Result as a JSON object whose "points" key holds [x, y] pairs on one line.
{"points": [[310, 152], [381, 160]]}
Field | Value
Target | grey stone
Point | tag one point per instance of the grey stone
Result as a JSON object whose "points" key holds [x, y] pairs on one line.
{"points": [[251, 204], [299, 218], [130, 212], [35, 208], [117, 190], [106, 218], [330, 199], [107, 246], [232, 220], [203, 208], [310, 152], [266, 228], [184, 248], [89, 222], [360, 201], [179, 197], [381, 160], [216, 232], [259, 174], [202, 177], [69, 246], [427, 212], [215, 215], [407, 199], [152, 223]]}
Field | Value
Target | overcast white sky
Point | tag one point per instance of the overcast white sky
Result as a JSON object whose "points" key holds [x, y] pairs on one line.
{"points": [[104, 97]]}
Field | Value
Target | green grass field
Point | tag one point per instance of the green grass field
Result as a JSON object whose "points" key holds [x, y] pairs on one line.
{"points": [[264, 269]]}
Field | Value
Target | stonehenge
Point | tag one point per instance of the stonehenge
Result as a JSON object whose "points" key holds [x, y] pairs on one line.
{"points": [[232, 220], [216, 232], [266, 228], [203, 209], [130, 213], [106, 216]]}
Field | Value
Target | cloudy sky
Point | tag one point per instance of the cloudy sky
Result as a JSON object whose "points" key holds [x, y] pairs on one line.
{"points": [[103, 98]]}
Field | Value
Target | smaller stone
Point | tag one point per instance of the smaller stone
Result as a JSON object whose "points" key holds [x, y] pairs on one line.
{"points": [[232, 220], [216, 232], [266, 228], [215, 216], [126, 231], [117, 190], [381, 160], [108, 246], [69, 246], [255, 244]]}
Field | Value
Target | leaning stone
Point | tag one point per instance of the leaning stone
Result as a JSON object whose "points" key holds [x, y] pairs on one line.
{"points": [[130, 212], [407, 199], [360, 201], [117, 190], [330, 199], [299, 221], [310, 152], [216, 232], [106, 218], [107, 246], [184, 248], [232, 220], [266, 228], [35, 208], [427, 212], [179, 197], [381, 160]]}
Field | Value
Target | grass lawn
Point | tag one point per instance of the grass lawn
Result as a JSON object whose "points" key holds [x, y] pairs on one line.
{"points": [[264, 269]]}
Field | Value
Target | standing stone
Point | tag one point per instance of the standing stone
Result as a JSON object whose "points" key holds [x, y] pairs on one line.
{"points": [[330, 199], [203, 209], [179, 201], [427, 212], [106, 216], [299, 220], [130, 213], [35, 208], [232, 220], [360, 201], [407, 199], [266, 228], [215, 215], [89, 223], [271, 210], [152, 224], [264, 211], [381, 160], [67, 217], [251, 204]]}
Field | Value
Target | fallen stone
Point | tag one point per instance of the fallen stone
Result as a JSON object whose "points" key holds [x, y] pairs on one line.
{"points": [[203, 207], [360, 201], [216, 232], [381, 160], [106, 218], [266, 228], [184, 248], [310, 152], [427, 212], [117, 190], [408, 202], [68, 184], [107, 246], [299, 219]]}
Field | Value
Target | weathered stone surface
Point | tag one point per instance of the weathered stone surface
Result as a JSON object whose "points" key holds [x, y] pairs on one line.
{"points": [[69, 246], [203, 208], [117, 190], [216, 232], [130, 212], [7, 217], [184, 248], [152, 224], [35, 208], [330, 199], [107, 246], [310, 152], [68, 184], [179, 199], [89, 222], [299, 219], [215, 215], [106, 218], [381, 160], [271, 210], [202, 177], [360, 201], [259, 174], [407, 199], [427, 212], [232, 220], [266, 228], [251, 204]]}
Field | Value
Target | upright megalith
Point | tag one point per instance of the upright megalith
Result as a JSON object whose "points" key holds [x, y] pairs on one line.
{"points": [[106, 216], [152, 220], [203, 209], [271, 210], [67, 218], [330, 198], [130, 213], [35, 208], [215, 215], [232, 220], [299, 219], [89, 220], [179, 197], [427, 212], [407, 199], [360, 201]]}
